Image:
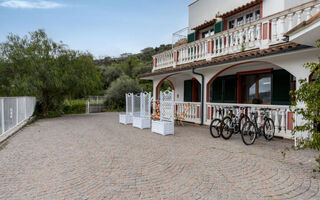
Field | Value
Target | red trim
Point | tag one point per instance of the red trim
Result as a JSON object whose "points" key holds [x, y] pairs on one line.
{"points": [[212, 110], [261, 9], [194, 90], [290, 120], [215, 76], [155, 63], [265, 31], [208, 115], [209, 47], [225, 25], [270, 31], [198, 35], [310, 76], [159, 84], [212, 46], [198, 111], [177, 56]]}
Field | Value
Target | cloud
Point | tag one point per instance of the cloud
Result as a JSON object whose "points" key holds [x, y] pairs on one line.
{"points": [[39, 4]]}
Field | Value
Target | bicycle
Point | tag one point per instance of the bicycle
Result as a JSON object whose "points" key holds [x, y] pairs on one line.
{"points": [[233, 123], [251, 129], [215, 125]]}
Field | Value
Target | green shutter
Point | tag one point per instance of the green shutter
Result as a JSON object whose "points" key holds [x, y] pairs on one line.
{"points": [[230, 89], [281, 86], [218, 27], [192, 37], [188, 91], [216, 91]]}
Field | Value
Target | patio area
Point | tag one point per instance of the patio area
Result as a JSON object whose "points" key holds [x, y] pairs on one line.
{"points": [[94, 157]]}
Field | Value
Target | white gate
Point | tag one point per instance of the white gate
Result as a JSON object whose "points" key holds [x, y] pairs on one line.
{"points": [[143, 120], [127, 118], [165, 125]]}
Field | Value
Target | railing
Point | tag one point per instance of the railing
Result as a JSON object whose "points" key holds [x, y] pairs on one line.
{"points": [[281, 115], [257, 34], [192, 114], [14, 111]]}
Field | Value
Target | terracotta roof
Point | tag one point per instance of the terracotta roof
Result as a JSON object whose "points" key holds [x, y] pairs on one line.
{"points": [[204, 25], [302, 24], [240, 8], [228, 58]]}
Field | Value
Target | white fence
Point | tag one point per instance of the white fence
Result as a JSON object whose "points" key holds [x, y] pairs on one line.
{"points": [[95, 104], [281, 115], [14, 111]]}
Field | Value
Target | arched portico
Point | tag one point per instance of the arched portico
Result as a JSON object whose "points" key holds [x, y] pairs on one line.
{"points": [[256, 82]]}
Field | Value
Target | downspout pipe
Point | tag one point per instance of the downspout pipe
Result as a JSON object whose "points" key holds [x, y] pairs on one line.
{"points": [[202, 95]]}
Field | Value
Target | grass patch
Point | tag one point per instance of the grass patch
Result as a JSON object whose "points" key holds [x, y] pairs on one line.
{"points": [[3, 145]]}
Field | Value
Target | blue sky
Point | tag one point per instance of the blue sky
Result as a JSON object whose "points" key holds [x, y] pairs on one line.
{"points": [[102, 27]]}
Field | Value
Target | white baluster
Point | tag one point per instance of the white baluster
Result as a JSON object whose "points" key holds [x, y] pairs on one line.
{"points": [[290, 21], [218, 45], [317, 7], [281, 27], [283, 123], [222, 44], [274, 29], [259, 119], [299, 13], [276, 122], [227, 43], [308, 13]]}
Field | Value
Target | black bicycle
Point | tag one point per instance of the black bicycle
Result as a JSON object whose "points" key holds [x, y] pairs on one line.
{"points": [[215, 125], [232, 124], [251, 129]]}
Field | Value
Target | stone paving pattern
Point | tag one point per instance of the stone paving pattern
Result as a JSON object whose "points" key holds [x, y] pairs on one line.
{"points": [[94, 157]]}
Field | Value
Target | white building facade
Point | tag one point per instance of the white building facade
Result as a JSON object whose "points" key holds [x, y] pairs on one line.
{"points": [[241, 52]]}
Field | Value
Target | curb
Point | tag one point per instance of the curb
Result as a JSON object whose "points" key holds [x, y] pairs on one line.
{"points": [[16, 129]]}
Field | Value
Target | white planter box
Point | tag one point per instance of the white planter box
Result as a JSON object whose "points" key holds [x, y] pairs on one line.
{"points": [[142, 122], [162, 127], [125, 119]]}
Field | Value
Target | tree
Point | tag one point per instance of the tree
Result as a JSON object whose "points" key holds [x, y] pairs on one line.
{"points": [[116, 92], [109, 74], [309, 95], [36, 65]]}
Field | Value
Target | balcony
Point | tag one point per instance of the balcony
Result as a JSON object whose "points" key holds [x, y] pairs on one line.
{"points": [[259, 34]]}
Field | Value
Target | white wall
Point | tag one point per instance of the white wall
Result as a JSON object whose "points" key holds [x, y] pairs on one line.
{"points": [[293, 3], [206, 10]]}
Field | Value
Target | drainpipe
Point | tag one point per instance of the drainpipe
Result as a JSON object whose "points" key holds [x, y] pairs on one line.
{"points": [[202, 95]]}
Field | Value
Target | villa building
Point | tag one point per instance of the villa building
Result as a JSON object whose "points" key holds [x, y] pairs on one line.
{"points": [[241, 52]]}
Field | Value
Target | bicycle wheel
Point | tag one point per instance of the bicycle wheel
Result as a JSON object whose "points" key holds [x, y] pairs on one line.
{"points": [[248, 133], [227, 128], [268, 129], [215, 128]]}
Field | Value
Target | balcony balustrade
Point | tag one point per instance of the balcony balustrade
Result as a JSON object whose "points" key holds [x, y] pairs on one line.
{"points": [[260, 34]]}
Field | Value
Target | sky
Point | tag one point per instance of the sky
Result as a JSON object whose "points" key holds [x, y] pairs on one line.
{"points": [[102, 27]]}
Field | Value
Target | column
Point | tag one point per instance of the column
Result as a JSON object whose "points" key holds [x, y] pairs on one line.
{"points": [[290, 21], [308, 13], [281, 27]]}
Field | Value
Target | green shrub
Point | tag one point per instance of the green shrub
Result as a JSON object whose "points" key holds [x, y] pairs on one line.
{"points": [[116, 92], [75, 107]]}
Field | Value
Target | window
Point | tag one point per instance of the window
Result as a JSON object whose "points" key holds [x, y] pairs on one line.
{"points": [[249, 18], [240, 21], [224, 90], [231, 24], [257, 88], [257, 15], [205, 34]]}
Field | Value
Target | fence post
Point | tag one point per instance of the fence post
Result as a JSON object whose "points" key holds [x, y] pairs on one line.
{"points": [[2, 115], [25, 108], [88, 107], [17, 111]]}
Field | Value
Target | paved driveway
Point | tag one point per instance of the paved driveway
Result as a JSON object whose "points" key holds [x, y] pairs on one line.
{"points": [[94, 157]]}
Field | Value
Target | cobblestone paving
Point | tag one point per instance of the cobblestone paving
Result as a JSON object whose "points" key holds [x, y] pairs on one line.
{"points": [[94, 157]]}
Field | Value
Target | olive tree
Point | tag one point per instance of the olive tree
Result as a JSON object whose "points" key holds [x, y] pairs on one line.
{"points": [[36, 65]]}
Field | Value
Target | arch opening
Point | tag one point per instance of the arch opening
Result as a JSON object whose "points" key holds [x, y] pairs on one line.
{"points": [[251, 83]]}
